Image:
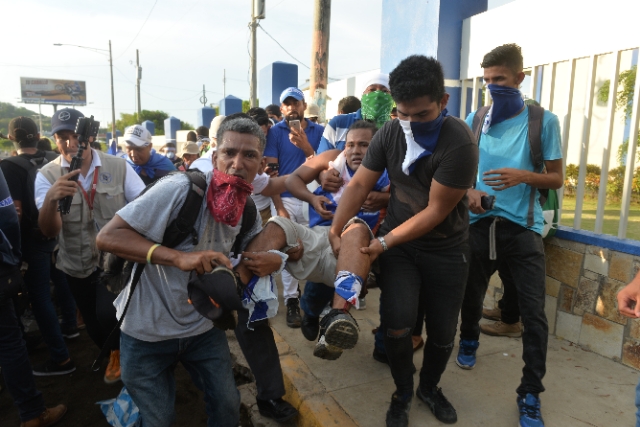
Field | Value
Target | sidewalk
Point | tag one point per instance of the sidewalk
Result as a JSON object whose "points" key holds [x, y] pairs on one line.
{"points": [[583, 389]]}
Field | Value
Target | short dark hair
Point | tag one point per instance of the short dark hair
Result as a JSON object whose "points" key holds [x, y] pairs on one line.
{"points": [[44, 144], [349, 104], [273, 109], [241, 123], [507, 55], [417, 76], [203, 131], [192, 137], [362, 124], [259, 115]]}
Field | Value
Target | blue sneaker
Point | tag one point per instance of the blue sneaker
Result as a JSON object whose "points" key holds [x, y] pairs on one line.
{"points": [[467, 354], [529, 408]]}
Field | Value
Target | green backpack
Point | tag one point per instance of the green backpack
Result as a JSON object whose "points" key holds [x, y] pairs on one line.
{"points": [[548, 197]]}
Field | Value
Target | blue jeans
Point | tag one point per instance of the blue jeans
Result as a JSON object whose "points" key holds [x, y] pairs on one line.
{"points": [[16, 368], [37, 280], [520, 252], [147, 371], [315, 298]]}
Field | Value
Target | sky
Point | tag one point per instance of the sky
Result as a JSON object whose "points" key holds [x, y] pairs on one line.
{"points": [[183, 44]]}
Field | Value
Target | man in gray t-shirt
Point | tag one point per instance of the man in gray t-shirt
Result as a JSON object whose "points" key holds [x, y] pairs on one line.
{"points": [[161, 327]]}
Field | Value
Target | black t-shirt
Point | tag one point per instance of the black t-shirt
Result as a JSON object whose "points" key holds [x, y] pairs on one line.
{"points": [[453, 164], [16, 177]]}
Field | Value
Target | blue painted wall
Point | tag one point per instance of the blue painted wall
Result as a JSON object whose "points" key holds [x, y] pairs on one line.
{"points": [[171, 126], [273, 79], [408, 27], [229, 105], [150, 126], [204, 116], [431, 28]]}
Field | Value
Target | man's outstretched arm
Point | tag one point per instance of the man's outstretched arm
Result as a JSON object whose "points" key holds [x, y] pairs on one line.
{"points": [[119, 238]]}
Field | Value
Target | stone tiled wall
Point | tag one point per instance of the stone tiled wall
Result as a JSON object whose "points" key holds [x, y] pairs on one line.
{"points": [[581, 287]]}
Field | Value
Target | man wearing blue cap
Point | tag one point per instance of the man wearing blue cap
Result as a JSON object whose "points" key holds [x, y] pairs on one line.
{"points": [[290, 146], [105, 184]]}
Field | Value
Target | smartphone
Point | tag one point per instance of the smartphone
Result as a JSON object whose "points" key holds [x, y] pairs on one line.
{"points": [[295, 124], [273, 166], [488, 202]]}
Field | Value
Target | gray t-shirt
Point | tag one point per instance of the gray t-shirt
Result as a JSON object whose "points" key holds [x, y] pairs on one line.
{"points": [[159, 309], [453, 164]]}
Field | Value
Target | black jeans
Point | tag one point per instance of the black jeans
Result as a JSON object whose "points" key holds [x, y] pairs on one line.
{"points": [[85, 293], [15, 365], [520, 252], [510, 312], [259, 348], [437, 278]]}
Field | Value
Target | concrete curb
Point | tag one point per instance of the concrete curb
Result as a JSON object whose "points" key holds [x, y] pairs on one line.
{"points": [[316, 406]]}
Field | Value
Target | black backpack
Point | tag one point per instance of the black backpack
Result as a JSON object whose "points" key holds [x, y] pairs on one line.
{"points": [[177, 232], [32, 166], [536, 114]]}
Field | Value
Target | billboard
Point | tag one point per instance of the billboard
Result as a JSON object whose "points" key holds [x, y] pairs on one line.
{"points": [[53, 91]]}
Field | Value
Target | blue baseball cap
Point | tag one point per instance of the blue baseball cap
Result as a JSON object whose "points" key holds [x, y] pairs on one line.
{"points": [[65, 119], [293, 92]]}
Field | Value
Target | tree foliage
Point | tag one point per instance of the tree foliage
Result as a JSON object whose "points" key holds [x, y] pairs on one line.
{"points": [[156, 116], [9, 111], [624, 96]]}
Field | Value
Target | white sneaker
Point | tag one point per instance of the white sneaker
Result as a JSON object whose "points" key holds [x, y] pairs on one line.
{"points": [[362, 304]]}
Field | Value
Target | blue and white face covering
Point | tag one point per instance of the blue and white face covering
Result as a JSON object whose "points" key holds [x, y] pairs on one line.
{"points": [[507, 102], [422, 138]]}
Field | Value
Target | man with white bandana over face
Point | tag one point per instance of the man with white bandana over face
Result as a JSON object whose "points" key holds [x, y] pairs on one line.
{"points": [[509, 235], [422, 247]]}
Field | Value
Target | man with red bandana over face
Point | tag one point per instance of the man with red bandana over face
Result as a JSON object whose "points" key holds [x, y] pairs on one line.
{"points": [[160, 326]]}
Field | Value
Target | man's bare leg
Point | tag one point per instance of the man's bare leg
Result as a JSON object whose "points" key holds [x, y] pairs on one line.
{"points": [[339, 330], [356, 236]]}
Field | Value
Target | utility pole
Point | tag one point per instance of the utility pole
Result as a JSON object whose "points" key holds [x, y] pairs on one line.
{"points": [[203, 98], [254, 52], [224, 83], [138, 78], [320, 55], [113, 102]]}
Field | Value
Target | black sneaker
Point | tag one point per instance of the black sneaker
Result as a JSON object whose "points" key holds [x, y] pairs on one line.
{"points": [[398, 413], [380, 356], [339, 329], [293, 313], [439, 405], [70, 332], [310, 327], [51, 368]]}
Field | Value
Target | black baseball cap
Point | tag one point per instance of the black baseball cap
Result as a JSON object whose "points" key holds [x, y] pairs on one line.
{"points": [[65, 119], [215, 293], [23, 129]]}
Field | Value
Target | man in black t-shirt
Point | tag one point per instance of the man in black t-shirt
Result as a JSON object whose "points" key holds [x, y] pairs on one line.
{"points": [[36, 249], [423, 246]]}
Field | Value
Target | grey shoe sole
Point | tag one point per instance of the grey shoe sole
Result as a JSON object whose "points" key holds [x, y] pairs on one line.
{"points": [[342, 332], [326, 351]]}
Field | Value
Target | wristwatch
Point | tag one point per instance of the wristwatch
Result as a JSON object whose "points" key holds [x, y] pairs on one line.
{"points": [[383, 243]]}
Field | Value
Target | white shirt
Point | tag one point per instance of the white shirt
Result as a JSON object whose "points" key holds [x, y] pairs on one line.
{"points": [[133, 185]]}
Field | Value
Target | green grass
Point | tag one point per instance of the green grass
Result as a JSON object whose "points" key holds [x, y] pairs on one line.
{"points": [[611, 216]]}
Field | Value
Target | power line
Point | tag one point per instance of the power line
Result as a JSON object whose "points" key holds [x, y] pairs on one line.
{"points": [[282, 47], [138, 33]]}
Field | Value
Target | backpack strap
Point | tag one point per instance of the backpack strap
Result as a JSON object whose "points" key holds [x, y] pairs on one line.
{"points": [[476, 127], [249, 215], [536, 115], [478, 120]]}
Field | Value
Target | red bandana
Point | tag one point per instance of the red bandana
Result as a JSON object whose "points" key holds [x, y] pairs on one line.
{"points": [[226, 197]]}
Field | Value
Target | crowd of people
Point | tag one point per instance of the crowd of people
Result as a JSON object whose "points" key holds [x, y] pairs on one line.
{"points": [[391, 192]]}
